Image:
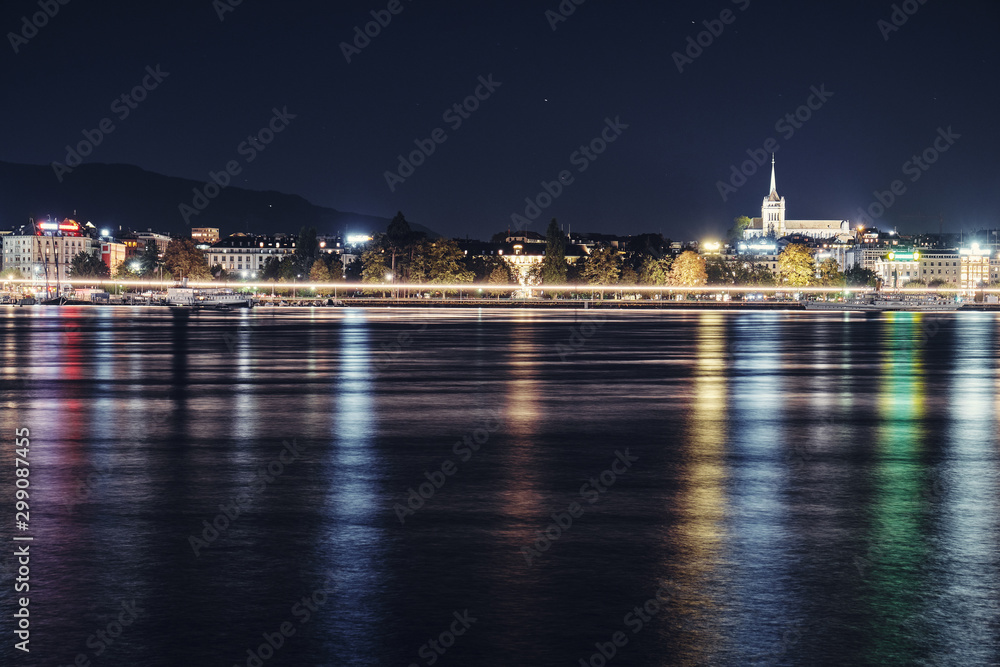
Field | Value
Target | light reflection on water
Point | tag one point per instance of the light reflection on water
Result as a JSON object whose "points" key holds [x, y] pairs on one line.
{"points": [[810, 488]]}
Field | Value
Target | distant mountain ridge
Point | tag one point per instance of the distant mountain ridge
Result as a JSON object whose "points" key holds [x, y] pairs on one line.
{"points": [[117, 195]]}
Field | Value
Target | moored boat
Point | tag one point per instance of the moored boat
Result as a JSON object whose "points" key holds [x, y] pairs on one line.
{"points": [[919, 305], [215, 299]]}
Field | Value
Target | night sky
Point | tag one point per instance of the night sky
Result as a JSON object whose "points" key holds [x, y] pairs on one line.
{"points": [[891, 92]]}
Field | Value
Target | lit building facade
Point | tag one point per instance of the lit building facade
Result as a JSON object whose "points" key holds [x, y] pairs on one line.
{"points": [[112, 254], [977, 268], [241, 252], [896, 268], [968, 268], [760, 251], [161, 241], [205, 235], [46, 254]]}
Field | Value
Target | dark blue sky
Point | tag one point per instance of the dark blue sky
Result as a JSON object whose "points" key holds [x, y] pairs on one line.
{"points": [[607, 60]]}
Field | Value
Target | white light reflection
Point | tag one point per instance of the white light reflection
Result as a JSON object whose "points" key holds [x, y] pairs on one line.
{"points": [[758, 517], [968, 488]]}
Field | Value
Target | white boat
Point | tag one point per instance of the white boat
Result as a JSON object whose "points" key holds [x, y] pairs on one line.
{"points": [[217, 299], [919, 305]]}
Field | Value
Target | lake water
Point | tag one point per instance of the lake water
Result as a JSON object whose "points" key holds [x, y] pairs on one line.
{"points": [[477, 487]]}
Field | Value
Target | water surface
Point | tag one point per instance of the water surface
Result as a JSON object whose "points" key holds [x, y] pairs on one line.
{"points": [[801, 488]]}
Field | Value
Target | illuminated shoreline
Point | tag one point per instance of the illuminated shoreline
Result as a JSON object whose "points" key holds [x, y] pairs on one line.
{"points": [[539, 290]]}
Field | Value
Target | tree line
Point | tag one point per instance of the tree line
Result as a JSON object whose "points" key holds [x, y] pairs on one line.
{"points": [[403, 256]]}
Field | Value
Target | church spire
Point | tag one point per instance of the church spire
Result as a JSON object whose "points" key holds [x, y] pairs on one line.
{"points": [[774, 189]]}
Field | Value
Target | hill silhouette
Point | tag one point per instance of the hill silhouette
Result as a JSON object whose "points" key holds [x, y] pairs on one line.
{"points": [[117, 196]]}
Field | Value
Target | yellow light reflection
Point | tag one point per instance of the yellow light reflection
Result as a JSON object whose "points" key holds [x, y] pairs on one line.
{"points": [[702, 499]]}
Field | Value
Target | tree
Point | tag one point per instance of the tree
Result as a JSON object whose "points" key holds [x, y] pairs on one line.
{"points": [[554, 267], [87, 265], [752, 274], [740, 224], [857, 276], [446, 264], [271, 269], [397, 235], [128, 270], [354, 270], [374, 268], [533, 276], [320, 272], [628, 277], [602, 267], [183, 259], [689, 270], [11, 274], [797, 266], [419, 271], [483, 267], [149, 259], [502, 274], [306, 250], [829, 273], [718, 271], [655, 271]]}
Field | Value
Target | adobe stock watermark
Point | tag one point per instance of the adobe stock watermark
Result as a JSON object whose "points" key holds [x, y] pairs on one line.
{"points": [[562, 13], [787, 126], [635, 620], [232, 339], [900, 14], [930, 325], [223, 7], [302, 611], [101, 474], [591, 491], [122, 107], [915, 167], [37, 21], [248, 149], [803, 453], [432, 651], [703, 40], [455, 116], [581, 158], [580, 334], [104, 637], [392, 351], [789, 638], [372, 29], [463, 450], [228, 514]]}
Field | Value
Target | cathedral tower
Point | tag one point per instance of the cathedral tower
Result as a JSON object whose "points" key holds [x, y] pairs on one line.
{"points": [[772, 212]]}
